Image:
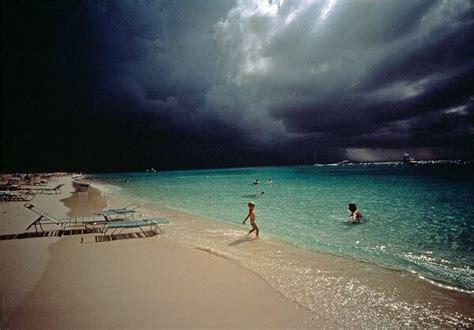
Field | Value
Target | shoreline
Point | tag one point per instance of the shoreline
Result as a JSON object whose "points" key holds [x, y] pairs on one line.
{"points": [[200, 266], [418, 273], [442, 285], [144, 283], [398, 289]]}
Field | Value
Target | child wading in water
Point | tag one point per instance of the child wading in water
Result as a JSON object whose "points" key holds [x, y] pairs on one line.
{"points": [[252, 217]]}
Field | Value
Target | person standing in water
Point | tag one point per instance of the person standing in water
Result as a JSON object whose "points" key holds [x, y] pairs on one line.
{"points": [[252, 217], [355, 214]]}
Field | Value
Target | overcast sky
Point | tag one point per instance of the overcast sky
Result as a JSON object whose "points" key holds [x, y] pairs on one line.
{"points": [[108, 85]]}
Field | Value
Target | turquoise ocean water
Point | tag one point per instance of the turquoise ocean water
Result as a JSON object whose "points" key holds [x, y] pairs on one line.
{"points": [[416, 218]]}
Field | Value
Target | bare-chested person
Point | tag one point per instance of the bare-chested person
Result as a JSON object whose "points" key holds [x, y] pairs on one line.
{"points": [[252, 217]]}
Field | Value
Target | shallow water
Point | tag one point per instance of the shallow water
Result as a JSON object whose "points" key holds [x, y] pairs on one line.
{"points": [[415, 219]]}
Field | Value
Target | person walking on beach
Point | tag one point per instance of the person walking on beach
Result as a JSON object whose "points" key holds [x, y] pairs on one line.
{"points": [[355, 214], [252, 217]]}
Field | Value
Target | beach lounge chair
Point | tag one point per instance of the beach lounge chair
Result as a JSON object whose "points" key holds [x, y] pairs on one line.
{"points": [[56, 190], [44, 217], [128, 207], [47, 219], [127, 210], [92, 222], [119, 226], [16, 196], [40, 190]]}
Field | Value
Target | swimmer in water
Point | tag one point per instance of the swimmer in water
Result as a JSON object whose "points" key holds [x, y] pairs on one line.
{"points": [[355, 214]]}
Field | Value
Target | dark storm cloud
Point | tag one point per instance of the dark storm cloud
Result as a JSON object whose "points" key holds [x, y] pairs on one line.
{"points": [[341, 80], [159, 58], [229, 83]]}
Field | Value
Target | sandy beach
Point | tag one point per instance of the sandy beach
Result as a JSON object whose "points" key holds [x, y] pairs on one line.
{"points": [[197, 274], [238, 164], [59, 282]]}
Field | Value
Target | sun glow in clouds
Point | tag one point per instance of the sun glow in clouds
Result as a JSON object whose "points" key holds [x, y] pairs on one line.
{"points": [[301, 8], [328, 6], [264, 8]]}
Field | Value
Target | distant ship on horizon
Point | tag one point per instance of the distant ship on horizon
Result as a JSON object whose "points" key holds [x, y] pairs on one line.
{"points": [[408, 160]]}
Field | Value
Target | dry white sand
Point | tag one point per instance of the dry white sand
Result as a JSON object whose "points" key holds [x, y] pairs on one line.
{"points": [[22, 262]]}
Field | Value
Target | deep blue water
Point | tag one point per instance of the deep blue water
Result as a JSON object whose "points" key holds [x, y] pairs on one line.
{"points": [[416, 218]]}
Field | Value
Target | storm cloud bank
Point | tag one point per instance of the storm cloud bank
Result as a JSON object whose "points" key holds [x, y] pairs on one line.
{"points": [[234, 83]]}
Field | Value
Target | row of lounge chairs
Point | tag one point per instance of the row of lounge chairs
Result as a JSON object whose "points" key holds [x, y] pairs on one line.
{"points": [[26, 194], [111, 219], [16, 196], [42, 190], [17, 180]]}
